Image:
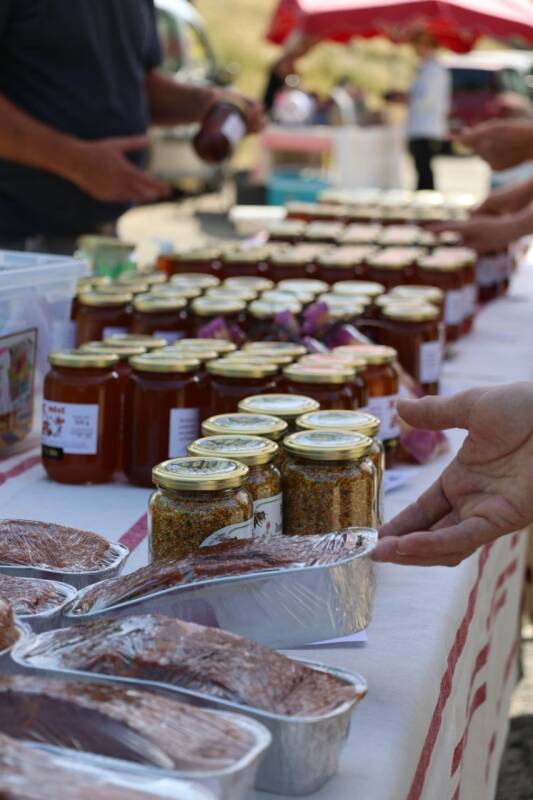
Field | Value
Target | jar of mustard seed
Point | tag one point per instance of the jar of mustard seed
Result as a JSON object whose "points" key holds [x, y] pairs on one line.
{"points": [[231, 382], [263, 481], [329, 482], [333, 387], [360, 422], [414, 332], [162, 317], [199, 502], [102, 315], [286, 407]]}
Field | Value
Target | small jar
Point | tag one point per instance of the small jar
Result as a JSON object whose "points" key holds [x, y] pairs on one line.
{"points": [[199, 502], [343, 263], [204, 261], [383, 390], [318, 361], [161, 317], [84, 285], [263, 481], [329, 482], [231, 382], [281, 406], [300, 286], [468, 258], [420, 293], [360, 422], [359, 235], [391, 267], [354, 308], [100, 316], [332, 387], [222, 129], [150, 343], [288, 348], [286, 231], [247, 262], [205, 310], [253, 282], [263, 313], [243, 424], [400, 236], [447, 274], [198, 280], [290, 264], [323, 232], [165, 405], [81, 417], [221, 346], [357, 288], [414, 332]]}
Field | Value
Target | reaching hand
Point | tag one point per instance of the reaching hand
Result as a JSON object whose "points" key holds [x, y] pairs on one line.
{"points": [[103, 171], [485, 233], [507, 200], [254, 111], [486, 490], [502, 143]]}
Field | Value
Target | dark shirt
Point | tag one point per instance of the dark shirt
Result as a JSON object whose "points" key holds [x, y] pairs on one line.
{"points": [[274, 84], [80, 67]]}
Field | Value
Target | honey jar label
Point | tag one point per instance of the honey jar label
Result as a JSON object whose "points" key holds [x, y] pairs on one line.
{"points": [[430, 361], [454, 308], [268, 516], [184, 428], [384, 408], [70, 428], [234, 128], [243, 530]]}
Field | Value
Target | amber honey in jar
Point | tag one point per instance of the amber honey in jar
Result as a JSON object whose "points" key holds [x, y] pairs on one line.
{"points": [[343, 263], [447, 274], [205, 310], [255, 283], [198, 280], [149, 343], [360, 422], [161, 317], [414, 332], [222, 129], [231, 382], [392, 267], [263, 481], [205, 260], [329, 482], [290, 264], [383, 390], [102, 315], [250, 261], [81, 417], [468, 258], [165, 405], [331, 386], [199, 502], [84, 285]]}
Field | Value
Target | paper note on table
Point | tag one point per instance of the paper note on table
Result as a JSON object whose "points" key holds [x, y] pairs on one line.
{"points": [[358, 639]]}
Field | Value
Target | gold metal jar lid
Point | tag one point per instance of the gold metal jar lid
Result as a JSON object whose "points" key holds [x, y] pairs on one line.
{"points": [[121, 298], [300, 207], [164, 361], [392, 259], [155, 278], [173, 290], [317, 231], [360, 233], [286, 227], [449, 238], [290, 348], [411, 313], [466, 255], [200, 474], [221, 346], [217, 306], [284, 406], [198, 255], [345, 257], [235, 369], [374, 355], [306, 373], [250, 450], [261, 356], [203, 356], [235, 293], [250, 255], [268, 309], [297, 285], [284, 296], [328, 445], [123, 351], [355, 303], [370, 288], [83, 359], [245, 424], [399, 300], [133, 282], [153, 304], [253, 282], [430, 293], [89, 282], [117, 288], [134, 339], [336, 360], [358, 421], [197, 279], [439, 262], [293, 257], [400, 236]]}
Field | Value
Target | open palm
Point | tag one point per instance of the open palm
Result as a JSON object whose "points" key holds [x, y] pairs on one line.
{"points": [[484, 493]]}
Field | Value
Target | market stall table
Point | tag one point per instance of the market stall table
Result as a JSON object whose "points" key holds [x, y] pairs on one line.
{"points": [[441, 654]]}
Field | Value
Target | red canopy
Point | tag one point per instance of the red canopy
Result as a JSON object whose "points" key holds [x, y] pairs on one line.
{"points": [[457, 24]]}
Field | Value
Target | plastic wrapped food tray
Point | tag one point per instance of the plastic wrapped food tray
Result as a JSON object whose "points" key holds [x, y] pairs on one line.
{"points": [[79, 580], [7, 665], [305, 750], [44, 620], [279, 608]]}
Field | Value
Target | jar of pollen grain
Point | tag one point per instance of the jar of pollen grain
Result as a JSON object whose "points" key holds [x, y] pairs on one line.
{"points": [[199, 502], [360, 422], [264, 479], [329, 482]]}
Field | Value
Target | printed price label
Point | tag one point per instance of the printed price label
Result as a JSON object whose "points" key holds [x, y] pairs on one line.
{"points": [[70, 428], [184, 428], [454, 308], [430, 361], [384, 408]]}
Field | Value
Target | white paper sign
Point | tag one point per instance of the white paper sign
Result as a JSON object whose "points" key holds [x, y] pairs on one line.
{"points": [[184, 428], [70, 427]]}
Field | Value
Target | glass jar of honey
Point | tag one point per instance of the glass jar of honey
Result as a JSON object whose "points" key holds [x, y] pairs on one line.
{"points": [[287, 231], [199, 502], [469, 259], [221, 131], [84, 285], [391, 267], [447, 274], [290, 264], [196, 280], [323, 232], [253, 282], [165, 405], [343, 263], [206, 260], [161, 317], [251, 262], [102, 315], [414, 332], [205, 310], [332, 387], [231, 382], [81, 417], [281, 406]]}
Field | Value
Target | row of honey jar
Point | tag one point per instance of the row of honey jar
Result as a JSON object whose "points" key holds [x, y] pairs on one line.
{"points": [[326, 476], [129, 404]]}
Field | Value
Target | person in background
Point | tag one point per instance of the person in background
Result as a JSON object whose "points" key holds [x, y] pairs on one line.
{"points": [[484, 493], [79, 86], [428, 109], [285, 66]]}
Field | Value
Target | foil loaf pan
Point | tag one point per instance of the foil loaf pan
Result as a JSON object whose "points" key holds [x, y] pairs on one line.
{"points": [[279, 608], [305, 750], [7, 665], [79, 580], [45, 620]]}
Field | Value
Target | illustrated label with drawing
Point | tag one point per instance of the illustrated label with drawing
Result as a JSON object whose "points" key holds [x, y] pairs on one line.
{"points": [[268, 516], [69, 429], [243, 530], [17, 375]]}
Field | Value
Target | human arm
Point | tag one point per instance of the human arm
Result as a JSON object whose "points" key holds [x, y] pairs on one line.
{"points": [[508, 199], [502, 143], [487, 234], [484, 493], [100, 167], [175, 103]]}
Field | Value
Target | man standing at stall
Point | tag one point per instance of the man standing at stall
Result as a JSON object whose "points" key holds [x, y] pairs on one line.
{"points": [[79, 86]]}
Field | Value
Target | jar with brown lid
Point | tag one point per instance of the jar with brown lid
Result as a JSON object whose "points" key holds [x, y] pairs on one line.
{"points": [[391, 267], [253, 282], [263, 481], [344, 263], [250, 262], [222, 129], [414, 332], [204, 260], [102, 315], [332, 387], [288, 348], [165, 404], [447, 274], [287, 231], [360, 422], [161, 317], [197, 280], [231, 382], [150, 343], [205, 310], [81, 417], [199, 502], [383, 391], [329, 482], [282, 406]]}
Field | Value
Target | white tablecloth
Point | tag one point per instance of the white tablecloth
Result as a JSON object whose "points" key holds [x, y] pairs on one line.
{"points": [[441, 654]]}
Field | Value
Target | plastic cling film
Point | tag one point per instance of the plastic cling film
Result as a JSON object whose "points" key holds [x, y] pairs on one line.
{"points": [[244, 530]]}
